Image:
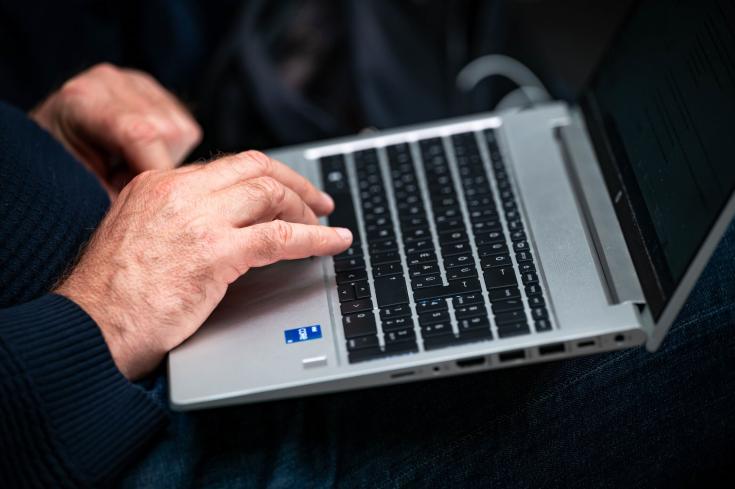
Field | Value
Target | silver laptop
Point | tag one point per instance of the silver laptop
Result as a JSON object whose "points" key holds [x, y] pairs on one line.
{"points": [[496, 240]]}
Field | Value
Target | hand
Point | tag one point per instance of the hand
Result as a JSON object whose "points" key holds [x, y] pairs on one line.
{"points": [[108, 115], [161, 260]]}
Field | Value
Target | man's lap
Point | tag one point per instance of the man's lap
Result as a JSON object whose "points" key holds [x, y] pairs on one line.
{"points": [[625, 418]]}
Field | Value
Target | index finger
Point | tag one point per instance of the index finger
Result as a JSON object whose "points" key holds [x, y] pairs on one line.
{"points": [[233, 169], [263, 244]]}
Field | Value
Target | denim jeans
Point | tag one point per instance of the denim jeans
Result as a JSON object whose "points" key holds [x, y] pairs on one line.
{"points": [[624, 419]]}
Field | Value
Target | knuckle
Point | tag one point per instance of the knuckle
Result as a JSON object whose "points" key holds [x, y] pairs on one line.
{"points": [[194, 131], [165, 188], [275, 192], [282, 232], [79, 87], [135, 129], [104, 69], [259, 159]]}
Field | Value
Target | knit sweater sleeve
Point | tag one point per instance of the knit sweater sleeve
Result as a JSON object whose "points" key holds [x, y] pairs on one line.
{"points": [[68, 418]]}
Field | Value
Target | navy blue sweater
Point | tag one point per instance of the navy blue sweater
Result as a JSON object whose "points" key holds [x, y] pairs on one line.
{"points": [[68, 418]]}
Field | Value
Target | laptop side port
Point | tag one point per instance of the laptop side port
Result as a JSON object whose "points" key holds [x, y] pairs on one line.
{"points": [[471, 362], [510, 356], [553, 349], [399, 375], [586, 344]]}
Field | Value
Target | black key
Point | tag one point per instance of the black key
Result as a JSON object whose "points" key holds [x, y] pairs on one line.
{"points": [[393, 312], [496, 261], [490, 237], [500, 277], [461, 272], [481, 226], [447, 213], [536, 301], [397, 323], [482, 201], [515, 226], [513, 329], [452, 237], [390, 290], [362, 290], [360, 324], [507, 305], [423, 269], [447, 225], [361, 342], [416, 234], [356, 306], [346, 292], [433, 317], [383, 245], [413, 222], [520, 246], [483, 213], [408, 210], [344, 212], [455, 287], [380, 233], [457, 260], [529, 278], [526, 267], [473, 310], [456, 248], [385, 257], [475, 322], [518, 236], [352, 251], [441, 341], [538, 313], [504, 293], [366, 354], [467, 299], [351, 276], [543, 325], [513, 216], [479, 333], [343, 265], [532, 290], [399, 336], [420, 257], [387, 269], [436, 329], [523, 256], [510, 317], [499, 248], [425, 281], [419, 245], [431, 305]]}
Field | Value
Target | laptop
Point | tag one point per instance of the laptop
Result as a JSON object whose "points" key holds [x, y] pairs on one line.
{"points": [[500, 239]]}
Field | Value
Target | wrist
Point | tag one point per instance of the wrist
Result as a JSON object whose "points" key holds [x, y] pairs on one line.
{"points": [[113, 325]]}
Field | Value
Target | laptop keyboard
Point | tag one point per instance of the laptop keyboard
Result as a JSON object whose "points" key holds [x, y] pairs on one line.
{"points": [[440, 267]]}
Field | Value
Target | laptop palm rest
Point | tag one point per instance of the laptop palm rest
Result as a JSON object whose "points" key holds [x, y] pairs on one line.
{"points": [[262, 333]]}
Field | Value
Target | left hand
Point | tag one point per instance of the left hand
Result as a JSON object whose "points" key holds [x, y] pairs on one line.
{"points": [[109, 115]]}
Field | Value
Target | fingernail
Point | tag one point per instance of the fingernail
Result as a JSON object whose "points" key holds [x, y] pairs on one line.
{"points": [[344, 233], [328, 198]]}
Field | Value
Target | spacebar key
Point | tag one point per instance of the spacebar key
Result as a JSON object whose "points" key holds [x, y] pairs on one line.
{"points": [[391, 290], [455, 287]]}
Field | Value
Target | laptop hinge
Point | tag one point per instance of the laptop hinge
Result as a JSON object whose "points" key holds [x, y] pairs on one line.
{"points": [[606, 237]]}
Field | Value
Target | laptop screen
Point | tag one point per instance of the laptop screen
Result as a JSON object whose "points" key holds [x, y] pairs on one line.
{"points": [[665, 95]]}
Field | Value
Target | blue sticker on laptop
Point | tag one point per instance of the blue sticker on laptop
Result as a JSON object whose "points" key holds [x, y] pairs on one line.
{"points": [[305, 333]]}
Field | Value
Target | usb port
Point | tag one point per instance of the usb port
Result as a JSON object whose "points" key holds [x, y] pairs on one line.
{"points": [[471, 362], [551, 349], [509, 356]]}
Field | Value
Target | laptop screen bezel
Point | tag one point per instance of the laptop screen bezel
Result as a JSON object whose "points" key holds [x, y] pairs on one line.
{"points": [[658, 286]]}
